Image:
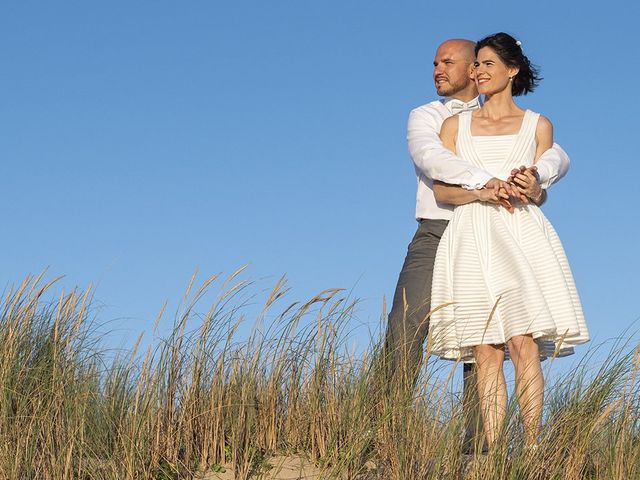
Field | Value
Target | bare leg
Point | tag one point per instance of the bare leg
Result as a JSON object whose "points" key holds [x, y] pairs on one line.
{"points": [[529, 383], [492, 388]]}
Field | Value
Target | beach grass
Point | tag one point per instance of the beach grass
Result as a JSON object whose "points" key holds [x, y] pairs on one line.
{"points": [[207, 400]]}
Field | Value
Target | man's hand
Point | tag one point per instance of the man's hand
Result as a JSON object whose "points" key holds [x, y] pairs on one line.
{"points": [[525, 181], [533, 169]]}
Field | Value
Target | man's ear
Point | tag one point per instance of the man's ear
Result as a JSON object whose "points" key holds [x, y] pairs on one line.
{"points": [[472, 71]]}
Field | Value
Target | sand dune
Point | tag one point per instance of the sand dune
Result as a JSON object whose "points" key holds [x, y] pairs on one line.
{"points": [[282, 468]]}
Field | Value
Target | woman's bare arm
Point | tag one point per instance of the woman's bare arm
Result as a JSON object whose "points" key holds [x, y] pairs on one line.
{"points": [[453, 194], [544, 136], [526, 180], [444, 192]]}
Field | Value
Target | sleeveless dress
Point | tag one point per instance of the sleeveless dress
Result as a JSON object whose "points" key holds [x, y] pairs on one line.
{"points": [[498, 274]]}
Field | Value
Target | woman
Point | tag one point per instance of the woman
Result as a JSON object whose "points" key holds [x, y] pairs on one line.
{"points": [[501, 275]]}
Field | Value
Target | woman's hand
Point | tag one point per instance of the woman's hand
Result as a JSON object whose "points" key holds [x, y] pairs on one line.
{"points": [[498, 193]]}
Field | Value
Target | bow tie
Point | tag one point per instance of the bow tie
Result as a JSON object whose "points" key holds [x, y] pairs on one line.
{"points": [[457, 106]]}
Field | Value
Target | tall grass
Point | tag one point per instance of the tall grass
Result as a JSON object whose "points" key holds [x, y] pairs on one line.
{"points": [[202, 398]]}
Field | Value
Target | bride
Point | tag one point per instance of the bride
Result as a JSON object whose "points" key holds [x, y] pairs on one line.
{"points": [[501, 275]]}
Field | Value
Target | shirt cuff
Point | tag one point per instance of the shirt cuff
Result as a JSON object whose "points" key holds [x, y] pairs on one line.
{"points": [[477, 180], [545, 178]]}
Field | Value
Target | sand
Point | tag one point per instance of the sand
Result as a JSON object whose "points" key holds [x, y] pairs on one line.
{"points": [[282, 468]]}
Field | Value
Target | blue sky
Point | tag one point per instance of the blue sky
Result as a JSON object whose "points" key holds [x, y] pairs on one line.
{"points": [[143, 140]]}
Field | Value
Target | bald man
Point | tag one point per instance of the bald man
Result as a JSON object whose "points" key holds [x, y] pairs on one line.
{"points": [[408, 323]]}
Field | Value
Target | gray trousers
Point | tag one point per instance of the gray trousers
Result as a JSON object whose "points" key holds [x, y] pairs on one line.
{"points": [[409, 319]]}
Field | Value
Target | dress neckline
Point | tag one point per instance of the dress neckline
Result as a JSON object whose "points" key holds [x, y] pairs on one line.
{"points": [[495, 136], [524, 118], [518, 142]]}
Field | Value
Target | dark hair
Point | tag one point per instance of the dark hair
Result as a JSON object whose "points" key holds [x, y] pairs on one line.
{"points": [[510, 52]]}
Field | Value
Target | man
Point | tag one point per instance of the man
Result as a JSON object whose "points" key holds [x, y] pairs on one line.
{"points": [[409, 316]]}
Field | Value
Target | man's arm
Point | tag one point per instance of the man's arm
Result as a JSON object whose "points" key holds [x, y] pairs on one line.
{"points": [[552, 165], [434, 160]]}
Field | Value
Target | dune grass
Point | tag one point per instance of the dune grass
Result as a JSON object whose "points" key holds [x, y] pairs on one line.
{"points": [[201, 399]]}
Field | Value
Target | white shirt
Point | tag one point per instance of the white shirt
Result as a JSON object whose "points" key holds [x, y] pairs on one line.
{"points": [[433, 161]]}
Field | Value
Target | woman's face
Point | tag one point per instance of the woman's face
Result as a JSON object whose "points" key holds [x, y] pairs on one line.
{"points": [[491, 73]]}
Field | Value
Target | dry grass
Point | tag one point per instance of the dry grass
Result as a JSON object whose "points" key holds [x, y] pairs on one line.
{"points": [[199, 399]]}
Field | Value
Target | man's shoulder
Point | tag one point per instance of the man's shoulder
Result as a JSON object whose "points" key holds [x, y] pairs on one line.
{"points": [[435, 110], [432, 113], [437, 106]]}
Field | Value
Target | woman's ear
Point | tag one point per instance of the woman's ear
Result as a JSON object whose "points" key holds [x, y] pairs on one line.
{"points": [[513, 71]]}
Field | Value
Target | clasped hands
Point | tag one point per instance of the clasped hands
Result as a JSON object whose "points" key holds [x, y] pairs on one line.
{"points": [[521, 186]]}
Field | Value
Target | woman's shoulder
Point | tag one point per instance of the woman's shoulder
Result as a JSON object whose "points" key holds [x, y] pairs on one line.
{"points": [[542, 119], [453, 120], [544, 130], [450, 125], [544, 125]]}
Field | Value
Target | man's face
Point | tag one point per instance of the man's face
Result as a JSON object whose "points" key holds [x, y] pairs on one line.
{"points": [[451, 69]]}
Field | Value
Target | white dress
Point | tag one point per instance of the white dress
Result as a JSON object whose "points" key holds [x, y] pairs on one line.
{"points": [[502, 274]]}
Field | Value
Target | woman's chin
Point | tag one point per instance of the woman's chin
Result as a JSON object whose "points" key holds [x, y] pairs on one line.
{"points": [[488, 90]]}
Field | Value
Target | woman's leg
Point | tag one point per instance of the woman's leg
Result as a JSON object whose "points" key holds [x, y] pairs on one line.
{"points": [[529, 382], [492, 388]]}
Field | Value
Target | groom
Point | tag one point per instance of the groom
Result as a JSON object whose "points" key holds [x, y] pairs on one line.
{"points": [[408, 323]]}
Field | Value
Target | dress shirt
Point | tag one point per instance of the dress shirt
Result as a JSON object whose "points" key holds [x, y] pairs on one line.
{"points": [[432, 161]]}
